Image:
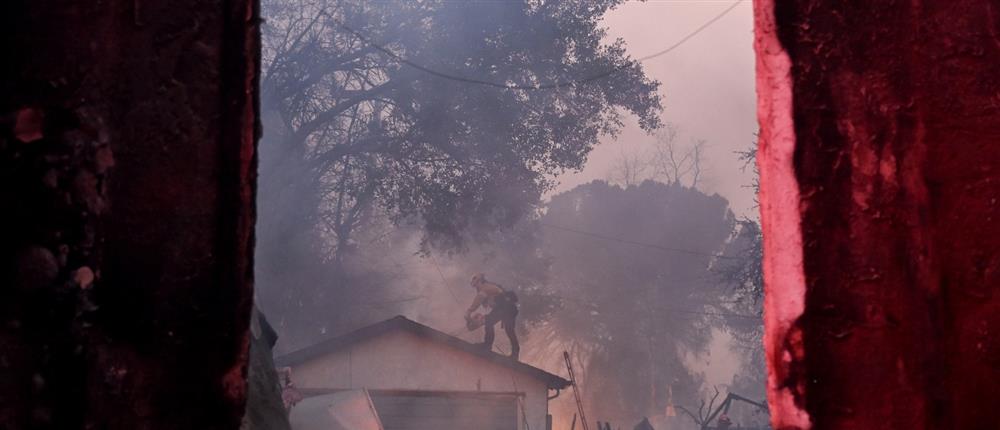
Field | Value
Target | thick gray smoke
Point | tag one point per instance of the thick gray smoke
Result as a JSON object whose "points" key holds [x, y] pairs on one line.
{"points": [[383, 187]]}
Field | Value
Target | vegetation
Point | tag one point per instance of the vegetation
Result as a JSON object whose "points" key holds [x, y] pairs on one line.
{"points": [[358, 134], [438, 126]]}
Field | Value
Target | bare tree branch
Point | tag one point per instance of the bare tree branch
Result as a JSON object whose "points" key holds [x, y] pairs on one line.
{"points": [[676, 165]]}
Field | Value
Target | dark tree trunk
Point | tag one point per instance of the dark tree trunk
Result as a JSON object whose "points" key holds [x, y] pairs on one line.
{"points": [[265, 407], [879, 188], [127, 175]]}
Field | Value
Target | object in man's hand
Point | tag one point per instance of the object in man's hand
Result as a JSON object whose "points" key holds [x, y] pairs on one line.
{"points": [[475, 321]]}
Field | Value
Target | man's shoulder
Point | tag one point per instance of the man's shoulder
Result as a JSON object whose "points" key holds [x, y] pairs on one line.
{"points": [[491, 288]]}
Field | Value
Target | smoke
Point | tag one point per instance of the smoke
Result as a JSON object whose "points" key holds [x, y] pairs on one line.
{"points": [[387, 269], [708, 88]]}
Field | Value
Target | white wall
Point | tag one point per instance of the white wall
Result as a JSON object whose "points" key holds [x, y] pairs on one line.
{"points": [[403, 361]]}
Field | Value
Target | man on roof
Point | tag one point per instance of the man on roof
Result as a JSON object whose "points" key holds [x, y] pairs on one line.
{"points": [[502, 307]]}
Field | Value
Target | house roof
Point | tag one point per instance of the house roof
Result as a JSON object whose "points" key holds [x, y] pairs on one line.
{"points": [[402, 323]]}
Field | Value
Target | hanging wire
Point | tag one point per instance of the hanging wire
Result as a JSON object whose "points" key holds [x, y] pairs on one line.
{"points": [[548, 86]]}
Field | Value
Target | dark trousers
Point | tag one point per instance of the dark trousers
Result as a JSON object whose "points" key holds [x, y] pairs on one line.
{"points": [[508, 316]]}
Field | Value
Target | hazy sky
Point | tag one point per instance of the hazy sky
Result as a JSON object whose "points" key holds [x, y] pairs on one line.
{"points": [[707, 87], [708, 92]]}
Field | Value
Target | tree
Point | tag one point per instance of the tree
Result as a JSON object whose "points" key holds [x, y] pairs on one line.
{"points": [[674, 164], [126, 242], [358, 131], [667, 161], [631, 266], [743, 273], [629, 169], [742, 277]]}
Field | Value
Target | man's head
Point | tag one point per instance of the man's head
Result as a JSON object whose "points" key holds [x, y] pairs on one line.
{"points": [[477, 280]]}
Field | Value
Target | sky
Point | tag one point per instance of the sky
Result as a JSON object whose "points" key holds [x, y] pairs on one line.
{"points": [[708, 93], [707, 88]]}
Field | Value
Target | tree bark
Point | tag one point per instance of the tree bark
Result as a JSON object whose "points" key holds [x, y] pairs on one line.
{"points": [[879, 185], [127, 176], [265, 408]]}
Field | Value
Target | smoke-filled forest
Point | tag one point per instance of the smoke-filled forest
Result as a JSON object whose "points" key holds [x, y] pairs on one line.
{"points": [[410, 145]]}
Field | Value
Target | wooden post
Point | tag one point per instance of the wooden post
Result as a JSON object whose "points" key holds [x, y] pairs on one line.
{"points": [[879, 203], [127, 166]]}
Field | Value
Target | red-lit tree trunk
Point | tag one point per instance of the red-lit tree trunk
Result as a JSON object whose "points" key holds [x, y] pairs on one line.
{"points": [[880, 180], [127, 160]]}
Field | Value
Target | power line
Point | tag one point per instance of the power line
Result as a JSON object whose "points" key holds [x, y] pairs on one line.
{"points": [[693, 33], [456, 332], [445, 281], [632, 242], [756, 318], [583, 80]]}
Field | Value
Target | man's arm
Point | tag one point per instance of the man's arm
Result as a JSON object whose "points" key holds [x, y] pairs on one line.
{"points": [[476, 303]]}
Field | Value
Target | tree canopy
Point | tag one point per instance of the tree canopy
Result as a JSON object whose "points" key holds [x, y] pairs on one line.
{"points": [[632, 266], [361, 126]]}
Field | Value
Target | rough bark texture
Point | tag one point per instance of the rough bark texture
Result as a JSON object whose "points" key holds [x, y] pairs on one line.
{"points": [[895, 109], [265, 407], [127, 159]]}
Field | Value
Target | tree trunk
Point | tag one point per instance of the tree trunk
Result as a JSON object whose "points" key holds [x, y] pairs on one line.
{"points": [[879, 185], [127, 164], [265, 407]]}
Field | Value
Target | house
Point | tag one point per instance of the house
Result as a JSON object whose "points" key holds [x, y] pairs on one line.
{"points": [[417, 377]]}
